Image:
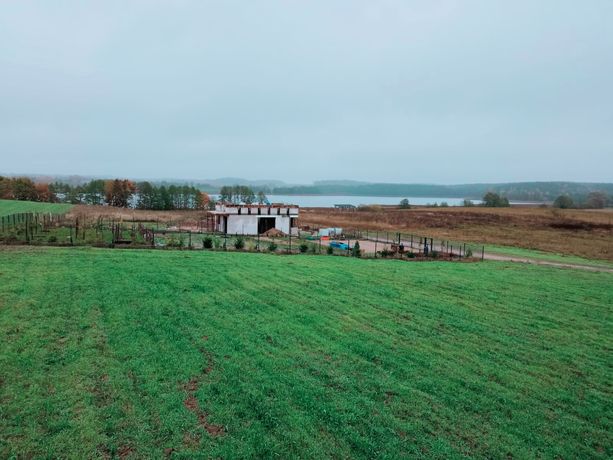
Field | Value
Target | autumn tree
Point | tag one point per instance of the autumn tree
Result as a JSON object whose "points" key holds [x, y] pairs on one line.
{"points": [[202, 201], [44, 194], [118, 192]]}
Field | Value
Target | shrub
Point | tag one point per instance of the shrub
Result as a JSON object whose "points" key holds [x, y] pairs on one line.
{"points": [[596, 200], [207, 242], [52, 239], [385, 253], [494, 200], [404, 204], [563, 202], [330, 250], [239, 243], [272, 246], [468, 252], [304, 248], [370, 208], [468, 203], [411, 255], [355, 251], [174, 242]]}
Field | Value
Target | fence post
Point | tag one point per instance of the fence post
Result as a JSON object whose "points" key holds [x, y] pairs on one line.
{"points": [[376, 240], [482, 253]]}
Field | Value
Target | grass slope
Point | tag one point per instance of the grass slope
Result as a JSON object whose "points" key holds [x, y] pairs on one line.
{"points": [[150, 353], [8, 207]]}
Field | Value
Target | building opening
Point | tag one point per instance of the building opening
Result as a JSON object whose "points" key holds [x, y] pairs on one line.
{"points": [[265, 224]]}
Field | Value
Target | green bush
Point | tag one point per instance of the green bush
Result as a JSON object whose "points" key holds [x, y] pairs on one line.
{"points": [[355, 250], [330, 250], [174, 242], [304, 248], [385, 253], [272, 246], [207, 242], [411, 255], [52, 239], [239, 243], [494, 200], [468, 253], [564, 202]]}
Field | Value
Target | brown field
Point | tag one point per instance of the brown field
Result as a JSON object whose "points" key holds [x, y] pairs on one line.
{"points": [[166, 217], [586, 233]]}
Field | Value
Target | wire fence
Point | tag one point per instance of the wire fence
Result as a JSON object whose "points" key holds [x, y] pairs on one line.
{"points": [[61, 230]]}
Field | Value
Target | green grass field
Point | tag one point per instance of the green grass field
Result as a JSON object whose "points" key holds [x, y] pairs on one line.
{"points": [[8, 207], [143, 354]]}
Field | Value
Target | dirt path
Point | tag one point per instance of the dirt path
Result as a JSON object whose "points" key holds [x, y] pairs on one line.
{"points": [[369, 246], [500, 257]]}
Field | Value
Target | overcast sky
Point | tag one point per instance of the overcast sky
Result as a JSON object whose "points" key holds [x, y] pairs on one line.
{"points": [[384, 91]]}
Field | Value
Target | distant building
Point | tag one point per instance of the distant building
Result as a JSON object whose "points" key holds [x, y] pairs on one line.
{"points": [[255, 219], [332, 231], [344, 206]]}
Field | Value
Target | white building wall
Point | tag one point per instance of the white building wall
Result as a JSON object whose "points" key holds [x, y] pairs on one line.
{"points": [[247, 224], [242, 224], [282, 223]]}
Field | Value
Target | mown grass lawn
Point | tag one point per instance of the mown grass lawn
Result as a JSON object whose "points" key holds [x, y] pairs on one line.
{"points": [[144, 354], [8, 207]]}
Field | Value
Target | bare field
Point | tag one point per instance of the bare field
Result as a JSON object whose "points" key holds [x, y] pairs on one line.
{"points": [[586, 233], [187, 217]]}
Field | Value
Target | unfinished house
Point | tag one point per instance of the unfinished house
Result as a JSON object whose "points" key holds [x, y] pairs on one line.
{"points": [[255, 219]]}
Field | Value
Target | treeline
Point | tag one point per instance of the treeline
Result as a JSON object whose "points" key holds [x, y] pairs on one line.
{"points": [[518, 191], [24, 189], [172, 197], [124, 193], [241, 194], [593, 200]]}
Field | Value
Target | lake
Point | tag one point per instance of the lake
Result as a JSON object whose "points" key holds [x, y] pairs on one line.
{"points": [[328, 201]]}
